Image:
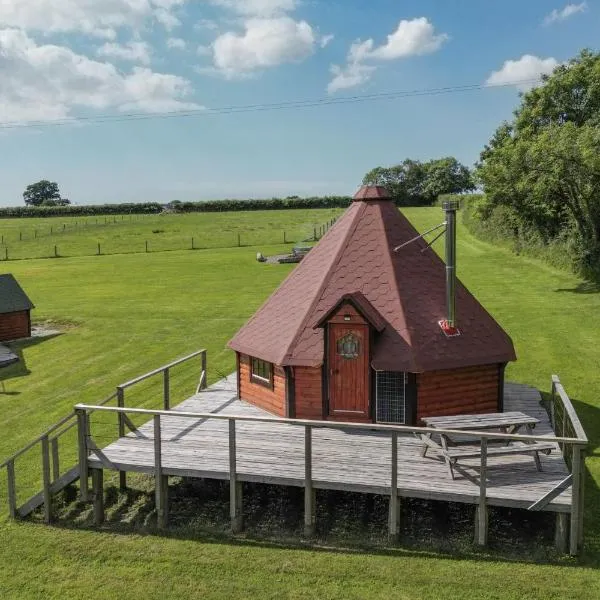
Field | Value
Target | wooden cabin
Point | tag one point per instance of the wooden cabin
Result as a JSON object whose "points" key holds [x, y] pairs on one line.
{"points": [[15, 310], [360, 330]]}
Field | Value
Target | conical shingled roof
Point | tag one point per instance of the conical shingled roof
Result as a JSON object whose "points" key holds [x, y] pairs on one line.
{"points": [[407, 288]]}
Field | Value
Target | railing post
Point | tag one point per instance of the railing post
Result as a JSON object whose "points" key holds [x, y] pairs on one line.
{"points": [[46, 479], [121, 418], [481, 517], [576, 515], [203, 380], [11, 489], [394, 516], [161, 482], [82, 431], [552, 403], [309, 492], [166, 390], [235, 488], [55, 458]]}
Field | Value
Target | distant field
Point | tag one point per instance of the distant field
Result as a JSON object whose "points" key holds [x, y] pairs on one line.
{"points": [[120, 234], [125, 314]]}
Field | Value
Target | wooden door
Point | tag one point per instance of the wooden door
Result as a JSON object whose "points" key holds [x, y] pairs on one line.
{"points": [[349, 371]]}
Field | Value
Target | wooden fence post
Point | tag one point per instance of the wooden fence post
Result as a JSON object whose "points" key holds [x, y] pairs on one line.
{"points": [[161, 482], [146, 245], [82, 431], [576, 515], [394, 516], [121, 419], [166, 390], [46, 479], [561, 533], [55, 459], [481, 517], [98, 495], [309, 492], [99, 252], [235, 487], [11, 489], [55, 251]]}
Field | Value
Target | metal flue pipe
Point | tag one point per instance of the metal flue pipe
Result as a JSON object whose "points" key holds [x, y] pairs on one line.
{"points": [[450, 207]]}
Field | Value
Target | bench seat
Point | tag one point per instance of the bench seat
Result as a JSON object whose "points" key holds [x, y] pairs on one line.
{"points": [[545, 447]]}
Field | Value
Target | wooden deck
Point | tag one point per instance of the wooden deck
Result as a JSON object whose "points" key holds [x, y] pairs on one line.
{"points": [[357, 461]]}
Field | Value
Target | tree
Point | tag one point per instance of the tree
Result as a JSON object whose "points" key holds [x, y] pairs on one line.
{"points": [[413, 182], [446, 176], [43, 193], [545, 164]]}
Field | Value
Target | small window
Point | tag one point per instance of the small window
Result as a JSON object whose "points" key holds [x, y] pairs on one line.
{"points": [[348, 346], [390, 388], [261, 372]]}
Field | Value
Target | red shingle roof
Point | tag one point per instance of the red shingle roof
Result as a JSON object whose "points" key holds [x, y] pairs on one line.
{"points": [[406, 288]]}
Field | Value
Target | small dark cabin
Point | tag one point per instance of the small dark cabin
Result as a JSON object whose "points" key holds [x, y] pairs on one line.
{"points": [[15, 310], [358, 331]]}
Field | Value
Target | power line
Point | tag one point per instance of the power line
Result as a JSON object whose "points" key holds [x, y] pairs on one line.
{"points": [[235, 109]]}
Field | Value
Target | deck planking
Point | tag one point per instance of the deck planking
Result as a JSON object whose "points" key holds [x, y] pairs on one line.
{"points": [[342, 460]]}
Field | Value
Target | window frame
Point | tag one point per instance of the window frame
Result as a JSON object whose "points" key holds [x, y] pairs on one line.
{"points": [[258, 378]]}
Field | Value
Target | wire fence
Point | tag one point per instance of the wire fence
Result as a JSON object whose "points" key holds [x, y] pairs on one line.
{"points": [[30, 244]]}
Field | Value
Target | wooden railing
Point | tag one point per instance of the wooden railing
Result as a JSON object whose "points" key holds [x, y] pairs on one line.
{"points": [[566, 423], [54, 477], [481, 437]]}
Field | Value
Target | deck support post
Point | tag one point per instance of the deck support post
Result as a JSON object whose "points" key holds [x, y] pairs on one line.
{"points": [[394, 516], [82, 432], [309, 491], [11, 489], [481, 514], [166, 390], [576, 501], [46, 479], [161, 482], [98, 495], [561, 533], [121, 419], [235, 486]]}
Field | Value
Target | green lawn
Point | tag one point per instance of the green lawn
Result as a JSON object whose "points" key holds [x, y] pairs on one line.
{"points": [[125, 314], [75, 236]]}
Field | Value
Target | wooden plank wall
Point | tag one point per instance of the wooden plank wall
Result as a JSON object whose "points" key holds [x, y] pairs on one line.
{"points": [[308, 385], [272, 400], [14, 325], [458, 391]]}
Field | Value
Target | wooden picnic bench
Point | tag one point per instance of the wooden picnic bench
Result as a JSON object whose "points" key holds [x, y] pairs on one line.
{"points": [[508, 422]]}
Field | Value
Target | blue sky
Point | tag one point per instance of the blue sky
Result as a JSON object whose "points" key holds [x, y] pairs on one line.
{"points": [[64, 59]]}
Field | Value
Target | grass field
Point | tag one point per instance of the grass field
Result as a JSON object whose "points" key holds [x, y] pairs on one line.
{"points": [[125, 314], [83, 236]]}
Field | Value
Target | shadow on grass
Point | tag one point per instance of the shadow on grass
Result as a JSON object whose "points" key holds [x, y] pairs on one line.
{"points": [[20, 369], [586, 287]]}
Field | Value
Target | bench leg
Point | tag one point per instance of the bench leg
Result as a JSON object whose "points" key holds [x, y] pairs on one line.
{"points": [[424, 437], [536, 456], [448, 460]]}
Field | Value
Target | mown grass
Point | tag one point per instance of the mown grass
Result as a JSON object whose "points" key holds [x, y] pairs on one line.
{"points": [[123, 315], [75, 236]]}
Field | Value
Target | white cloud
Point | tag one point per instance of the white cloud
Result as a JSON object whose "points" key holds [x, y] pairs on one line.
{"points": [[326, 40], [96, 17], [206, 24], [258, 8], [523, 73], [132, 51], [264, 43], [352, 75], [564, 13], [204, 50], [411, 38], [46, 82], [176, 44]]}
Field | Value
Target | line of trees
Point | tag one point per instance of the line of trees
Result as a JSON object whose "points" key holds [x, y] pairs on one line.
{"points": [[416, 183], [541, 170]]}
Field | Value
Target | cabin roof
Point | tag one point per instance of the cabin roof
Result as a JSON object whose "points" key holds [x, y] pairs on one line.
{"points": [[406, 289], [12, 296]]}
